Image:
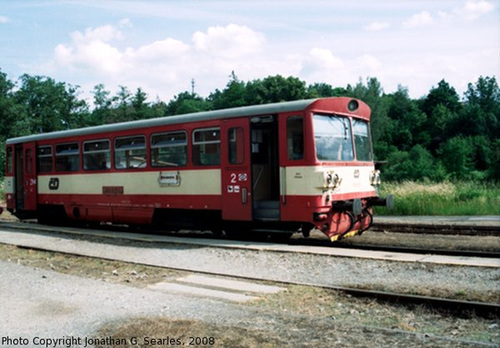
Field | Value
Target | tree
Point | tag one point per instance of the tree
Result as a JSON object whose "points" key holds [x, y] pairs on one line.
{"points": [[102, 106], [141, 107], [322, 90], [233, 95], [482, 108], [444, 95], [407, 121], [456, 155], [48, 105], [274, 89], [186, 102]]}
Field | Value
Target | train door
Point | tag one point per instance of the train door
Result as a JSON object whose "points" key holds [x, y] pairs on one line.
{"points": [[25, 177], [236, 171], [265, 168]]}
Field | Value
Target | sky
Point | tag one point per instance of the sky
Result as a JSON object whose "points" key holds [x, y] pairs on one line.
{"points": [[162, 46]]}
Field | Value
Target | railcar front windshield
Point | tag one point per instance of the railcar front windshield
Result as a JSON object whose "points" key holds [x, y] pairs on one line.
{"points": [[333, 136]]}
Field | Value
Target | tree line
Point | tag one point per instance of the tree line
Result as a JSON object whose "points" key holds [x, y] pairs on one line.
{"points": [[438, 137]]}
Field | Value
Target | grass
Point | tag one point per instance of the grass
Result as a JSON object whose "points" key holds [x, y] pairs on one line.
{"points": [[445, 198]]}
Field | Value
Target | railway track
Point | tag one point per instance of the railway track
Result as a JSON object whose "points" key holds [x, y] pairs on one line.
{"points": [[319, 241], [442, 228], [458, 307]]}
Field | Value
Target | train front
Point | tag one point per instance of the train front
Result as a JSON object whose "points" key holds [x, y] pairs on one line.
{"points": [[346, 181]]}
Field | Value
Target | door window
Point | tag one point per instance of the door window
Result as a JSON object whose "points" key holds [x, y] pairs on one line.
{"points": [[236, 145]]}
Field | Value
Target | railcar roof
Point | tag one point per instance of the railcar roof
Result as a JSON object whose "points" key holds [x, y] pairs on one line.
{"points": [[254, 110]]}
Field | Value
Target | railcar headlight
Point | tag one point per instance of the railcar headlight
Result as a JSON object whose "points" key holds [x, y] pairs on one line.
{"points": [[375, 178], [331, 179]]}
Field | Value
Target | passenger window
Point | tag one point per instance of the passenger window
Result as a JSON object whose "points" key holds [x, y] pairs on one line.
{"points": [[169, 149], [236, 145], [130, 152], [44, 154], [206, 146], [96, 155], [295, 138], [10, 159], [67, 157]]}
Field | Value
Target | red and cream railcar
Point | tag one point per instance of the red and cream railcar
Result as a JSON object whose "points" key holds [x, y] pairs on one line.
{"points": [[283, 167]]}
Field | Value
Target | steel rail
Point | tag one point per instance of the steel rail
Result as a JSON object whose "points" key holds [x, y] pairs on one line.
{"points": [[445, 229], [31, 225], [456, 307]]}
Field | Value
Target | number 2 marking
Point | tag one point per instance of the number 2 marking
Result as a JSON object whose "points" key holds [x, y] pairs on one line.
{"points": [[233, 178]]}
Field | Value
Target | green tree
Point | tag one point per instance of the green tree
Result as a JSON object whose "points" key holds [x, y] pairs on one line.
{"points": [[186, 102], [140, 105], [407, 120], [102, 112], [457, 157], [322, 90], [48, 105], [233, 95], [274, 89]]}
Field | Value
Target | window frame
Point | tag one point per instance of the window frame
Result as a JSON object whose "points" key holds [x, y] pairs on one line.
{"points": [[41, 163], [154, 147], [72, 153], [87, 153], [117, 150], [198, 146]]}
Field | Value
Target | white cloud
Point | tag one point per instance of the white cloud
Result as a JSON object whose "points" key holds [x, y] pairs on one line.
{"points": [[474, 9], [169, 63], [3, 19], [231, 41], [91, 50], [421, 19], [377, 26]]}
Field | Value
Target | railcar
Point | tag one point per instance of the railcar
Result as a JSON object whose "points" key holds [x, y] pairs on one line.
{"points": [[284, 167]]}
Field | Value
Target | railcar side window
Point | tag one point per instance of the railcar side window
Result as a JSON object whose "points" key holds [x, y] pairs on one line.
{"points": [[333, 138], [236, 145], [96, 155], [295, 138], [169, 149], [206, 146], [44, 154], [130, 152], [10, 159], [67, 157], [362, 141]]}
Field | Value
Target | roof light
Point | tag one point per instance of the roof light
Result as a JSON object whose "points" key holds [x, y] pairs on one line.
{"points": [[353, 105]]}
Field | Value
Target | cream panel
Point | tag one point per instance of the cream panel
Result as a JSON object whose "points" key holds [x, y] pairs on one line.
{"points": [[309, 181], [196, 182], [9, 184]]}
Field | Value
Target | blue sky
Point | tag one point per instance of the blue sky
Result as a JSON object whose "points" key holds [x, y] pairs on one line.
{"points": [[161, 46]]}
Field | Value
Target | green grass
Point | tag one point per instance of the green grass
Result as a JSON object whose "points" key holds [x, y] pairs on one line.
{"points": [[446, 198]]}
